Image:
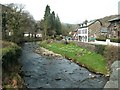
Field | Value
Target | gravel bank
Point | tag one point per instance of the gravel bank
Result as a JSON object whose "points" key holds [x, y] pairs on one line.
{"points": [[46, 52]]}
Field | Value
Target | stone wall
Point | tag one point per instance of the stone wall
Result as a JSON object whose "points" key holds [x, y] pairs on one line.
{"points": [[95, 29], [115, 76]]}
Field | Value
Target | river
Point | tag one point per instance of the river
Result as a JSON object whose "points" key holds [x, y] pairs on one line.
{"points": [[47, 72]]}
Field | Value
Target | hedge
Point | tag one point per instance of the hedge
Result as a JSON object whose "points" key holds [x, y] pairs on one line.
{"points": [[112, 53], [10, 55], [117, 40], [101, 39]]}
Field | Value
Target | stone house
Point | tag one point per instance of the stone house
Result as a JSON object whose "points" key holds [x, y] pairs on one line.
{"points": [[114, 28], [104, 32], [88, 31]]}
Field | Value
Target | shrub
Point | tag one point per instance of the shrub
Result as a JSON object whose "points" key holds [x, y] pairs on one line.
{"points": [[117, 40], [101, 39], [10, 65], [111, 53], [5, 44], [49, 41], [100, 49], [87, 46], [58, 38], [10, 56]]}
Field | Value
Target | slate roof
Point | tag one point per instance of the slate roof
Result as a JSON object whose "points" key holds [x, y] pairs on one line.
{"points": [[115, 19], [82, 25]]}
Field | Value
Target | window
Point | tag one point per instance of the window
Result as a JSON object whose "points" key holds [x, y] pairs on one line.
{"points": [[85, 31], [79, 31]]}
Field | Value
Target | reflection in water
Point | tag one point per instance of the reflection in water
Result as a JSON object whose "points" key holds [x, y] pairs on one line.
{"points": [[46, 72]]}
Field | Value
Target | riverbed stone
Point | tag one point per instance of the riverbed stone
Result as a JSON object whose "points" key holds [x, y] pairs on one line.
{"points": [[46, 52]]}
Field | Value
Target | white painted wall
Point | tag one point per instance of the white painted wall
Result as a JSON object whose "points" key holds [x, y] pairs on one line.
{"points": [[83, 32]]}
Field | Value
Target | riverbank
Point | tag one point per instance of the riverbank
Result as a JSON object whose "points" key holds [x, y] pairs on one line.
{"points": [[10, 65], [92, 61]]}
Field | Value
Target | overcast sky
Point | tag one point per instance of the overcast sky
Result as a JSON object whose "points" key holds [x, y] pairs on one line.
{"points": [[70, 11]]}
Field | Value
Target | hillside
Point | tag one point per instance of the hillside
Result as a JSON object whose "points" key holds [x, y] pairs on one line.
{"points": [[105, 20]]}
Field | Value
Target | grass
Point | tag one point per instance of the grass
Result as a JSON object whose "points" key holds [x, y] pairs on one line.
{"points": [[91, 60]]}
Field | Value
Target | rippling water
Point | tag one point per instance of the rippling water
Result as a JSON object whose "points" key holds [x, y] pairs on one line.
{"points": [[46, 72]]}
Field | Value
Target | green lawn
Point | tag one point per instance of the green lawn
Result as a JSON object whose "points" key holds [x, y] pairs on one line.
{"points": [[91, 60]]}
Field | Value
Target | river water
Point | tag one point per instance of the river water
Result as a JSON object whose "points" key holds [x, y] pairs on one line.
{"points": [[47, 72]]}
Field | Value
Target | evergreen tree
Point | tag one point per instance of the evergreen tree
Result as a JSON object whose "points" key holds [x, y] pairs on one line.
{"points": [[52, 24], [58, 26], [47, 20], [53, 20], [52, 30]]}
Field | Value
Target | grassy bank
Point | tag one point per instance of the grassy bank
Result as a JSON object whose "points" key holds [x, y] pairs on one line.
{"points": [[10, 65], [91, 60]]}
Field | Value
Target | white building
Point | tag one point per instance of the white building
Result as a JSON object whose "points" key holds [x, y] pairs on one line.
{"points": [[83, 34], [88, 31]]}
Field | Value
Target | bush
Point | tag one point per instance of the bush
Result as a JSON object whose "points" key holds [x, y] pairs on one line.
{"points": [[112, 53], [117, 40], [10, 65], [10, 56], [101, 39], [100, 49], [58, 38], [87, 46], [5, 44]]}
